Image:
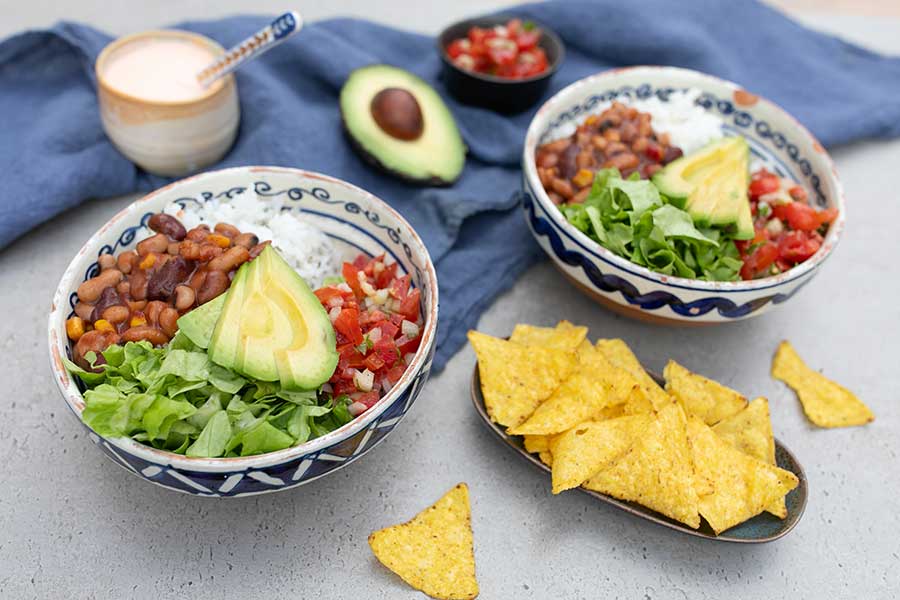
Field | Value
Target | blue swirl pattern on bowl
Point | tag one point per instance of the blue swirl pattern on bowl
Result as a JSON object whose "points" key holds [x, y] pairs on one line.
{"points": [[356, 222]]}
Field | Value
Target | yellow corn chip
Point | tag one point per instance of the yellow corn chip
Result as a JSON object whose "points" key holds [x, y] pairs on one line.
{"points": [[750, 431], [657, 471], [702, 397], [586, 449], [536, 443], [744, 486], [610, 412], [564, 336], [579, 398], [547, 458], [638, 402], [433, 552], [621, 356], [826, 403], [515, 379]]}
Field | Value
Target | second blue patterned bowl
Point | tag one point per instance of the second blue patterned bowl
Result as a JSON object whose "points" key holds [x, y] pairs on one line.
{"points": [[776, 139], [356, 221]]}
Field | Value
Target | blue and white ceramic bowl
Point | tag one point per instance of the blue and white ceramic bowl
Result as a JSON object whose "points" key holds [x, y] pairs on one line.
{"points": [[357, 222], [776, 139]]}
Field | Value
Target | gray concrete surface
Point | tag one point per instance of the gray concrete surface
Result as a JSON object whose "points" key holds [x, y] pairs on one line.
{"points": [[72, 525]]}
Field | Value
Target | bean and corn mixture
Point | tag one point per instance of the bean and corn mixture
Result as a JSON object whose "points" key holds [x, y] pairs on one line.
{"points": [[141, 293], [620, 137]]}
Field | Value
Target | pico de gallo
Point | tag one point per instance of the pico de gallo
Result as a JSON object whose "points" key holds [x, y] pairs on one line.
{"points": [[509, 51], [788, 229], [378, 327]]}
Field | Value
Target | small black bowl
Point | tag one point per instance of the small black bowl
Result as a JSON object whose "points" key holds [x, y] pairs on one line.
{"points": [[497, 93]]}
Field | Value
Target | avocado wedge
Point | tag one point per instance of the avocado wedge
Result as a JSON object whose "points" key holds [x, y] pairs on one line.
{"points": [[400, 124], [711, 185], [273, 328]]}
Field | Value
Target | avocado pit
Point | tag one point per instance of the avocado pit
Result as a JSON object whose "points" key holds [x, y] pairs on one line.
{"points": [[398, 114]]}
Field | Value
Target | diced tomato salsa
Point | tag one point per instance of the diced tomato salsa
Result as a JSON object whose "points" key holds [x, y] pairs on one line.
{"points": [[788, 230], [375, 314], [510, 51]]}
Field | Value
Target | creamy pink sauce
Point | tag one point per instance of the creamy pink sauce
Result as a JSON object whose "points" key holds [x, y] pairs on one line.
{"points": [[158, 69]]}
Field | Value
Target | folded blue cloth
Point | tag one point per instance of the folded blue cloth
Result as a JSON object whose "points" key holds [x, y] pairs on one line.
{"points": [[54, 155]]}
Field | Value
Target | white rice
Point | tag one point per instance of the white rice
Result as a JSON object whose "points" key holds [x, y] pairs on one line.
{"points": [[305, 247], [689, 126]]}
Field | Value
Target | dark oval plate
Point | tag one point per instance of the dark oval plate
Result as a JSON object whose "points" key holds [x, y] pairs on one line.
{"points": [[761, 528]]}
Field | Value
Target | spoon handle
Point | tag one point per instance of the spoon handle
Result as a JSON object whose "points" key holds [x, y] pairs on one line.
{"points": [[265, 39]]}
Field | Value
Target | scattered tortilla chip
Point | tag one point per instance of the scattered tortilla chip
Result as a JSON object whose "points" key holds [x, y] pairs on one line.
{"points": [[588, 448], [657, 471], [744, 486], [547, 458], [702, 397], [638, 402], [433, 552], [564, 336], [610, 412], [579, 398], [750, 431], [515, 379], [826, 403], [536, 443], [620, 355]]}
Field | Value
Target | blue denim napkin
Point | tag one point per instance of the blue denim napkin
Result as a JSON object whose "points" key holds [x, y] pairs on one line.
{"points": [[54, 155]]}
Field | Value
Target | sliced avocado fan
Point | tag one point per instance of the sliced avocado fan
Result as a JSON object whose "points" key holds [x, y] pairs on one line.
{"points": [[273, 328], [400, 124]]}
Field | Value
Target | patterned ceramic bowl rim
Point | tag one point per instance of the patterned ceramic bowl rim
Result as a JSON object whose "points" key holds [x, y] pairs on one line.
{"points": [[66, 383], [660, 76]]}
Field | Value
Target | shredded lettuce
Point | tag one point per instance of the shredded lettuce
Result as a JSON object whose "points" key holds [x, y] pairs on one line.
{"points": [[632, 219], [174, 398]]}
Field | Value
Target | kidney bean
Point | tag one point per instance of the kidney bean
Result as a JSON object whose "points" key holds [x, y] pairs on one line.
{"points": [[167, 225], [157, 243], [567, 166], [562, 187], [153, 309], [163, 281], [628, 132], [227, 229], [214, 284], [671, 154], [255, 250], [168, 321], [247, 240], [91, 289], [108, 297], [93, 341], [198, 233], [126, 261], [106, 261], [145, 333], [622, 161], [84, 310], [232, 259], [184, 297], [116, 314]]}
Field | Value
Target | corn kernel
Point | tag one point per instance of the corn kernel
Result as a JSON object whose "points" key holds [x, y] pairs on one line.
{"points": [[591, 119], [148, 261], [219, 240], [75, 328], [137, 321], [583, 178], [103, 325]]}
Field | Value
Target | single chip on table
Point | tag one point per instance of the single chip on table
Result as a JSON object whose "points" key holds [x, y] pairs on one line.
{"points": [[621, 356], [564, 336], [433, 552], [581, 397], [750, 431], [589, 447], [657, 471], [702, 397], [826, 403], [515, 379], [744, 486]]}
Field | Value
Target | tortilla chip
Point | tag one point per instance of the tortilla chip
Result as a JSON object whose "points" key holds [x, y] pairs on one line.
{"points": [[547, 458], [750, 431], [536, 443], [590, 447], [580, 398], [657, 471], [620, 355], [564, 336], [433, 552], [610, 412], [825, 403], [701, 397], [638, 402], [515, 379], [744, 486]]}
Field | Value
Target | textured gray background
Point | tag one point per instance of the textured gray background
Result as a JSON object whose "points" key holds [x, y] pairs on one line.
{"points": [[74, 526]]}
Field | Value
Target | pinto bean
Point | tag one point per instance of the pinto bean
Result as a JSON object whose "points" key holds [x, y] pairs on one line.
{"points": [[557, 146], [109, 297], [562, 187], [227, 229], [198, 233], [164, 280], [184, 297], [137, 305], [173, 248], [84, 310], [157, 243], [547, 159], [138, 281], [167, 225], [232, 259], [153, 309], [168, 321], [106, 261], [214, 284], [255, 250], [585, 159], [581, 196], [145, 333], [124, 287], [625, 160], [90, 290], [126, 261], [615, 148], [116, 314], [95, 341], [197, 279], [247, 240]]}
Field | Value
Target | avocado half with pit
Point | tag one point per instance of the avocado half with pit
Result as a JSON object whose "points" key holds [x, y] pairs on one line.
{"points": [[400, 124]]}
